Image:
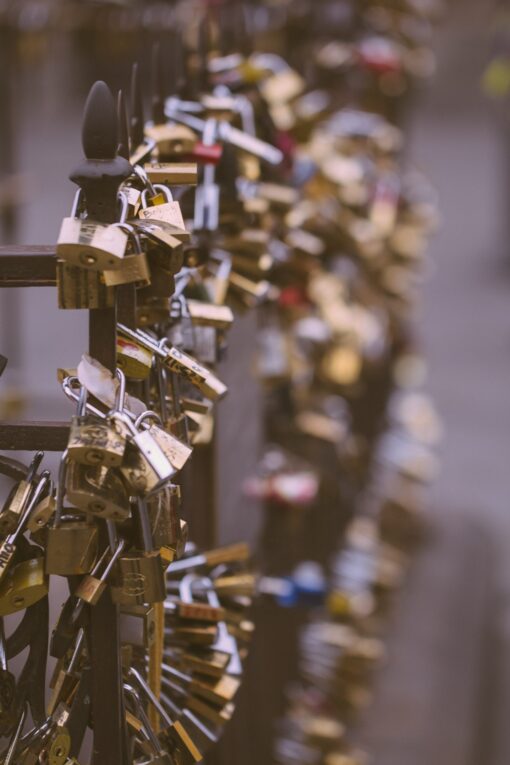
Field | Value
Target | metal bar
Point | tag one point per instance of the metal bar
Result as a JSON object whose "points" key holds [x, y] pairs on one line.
{"points": [[34, 436], [28, 266]]}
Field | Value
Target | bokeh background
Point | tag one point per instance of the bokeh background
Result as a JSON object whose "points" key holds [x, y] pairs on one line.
{"points": [[444, 695]]}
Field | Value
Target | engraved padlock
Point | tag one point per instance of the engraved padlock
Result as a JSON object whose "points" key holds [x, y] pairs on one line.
{"points": [[135, 266], [97, 490], [139, 574], [162, 207], [146, 468], [90, 244], [95, 441], [176, 451], [72, 542]]}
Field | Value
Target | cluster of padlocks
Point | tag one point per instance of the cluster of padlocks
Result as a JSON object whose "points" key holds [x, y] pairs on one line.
{"points": [[268, 179]]}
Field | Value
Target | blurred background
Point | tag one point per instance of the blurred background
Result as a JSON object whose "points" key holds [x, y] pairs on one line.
{"points": [[443, 697]]}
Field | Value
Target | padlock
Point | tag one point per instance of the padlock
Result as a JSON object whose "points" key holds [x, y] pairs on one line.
{"points": [[138, 625], [8, 546], [59, 746], [97, 490], [93, 441], [225, 642], [41, 515], [66, 678], [172, 173], [132, 358], [92, 586], [135, 266], [154, 310], [163, 509], [23, 585], [171, 139], [177, 452], [167, 211], [90, 244], [72, 543], [173, 728], [210, 315], [189, 608], [175, 421], [146, 468], [80, 288], [17, 500], [139, 574], [157, 756]]}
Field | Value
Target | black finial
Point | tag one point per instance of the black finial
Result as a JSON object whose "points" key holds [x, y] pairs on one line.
{"points": [[100, 174], [158, 95], [178, 66], [244, 42], [99, 130], [203, 53], [123, 126], [137, 119]]}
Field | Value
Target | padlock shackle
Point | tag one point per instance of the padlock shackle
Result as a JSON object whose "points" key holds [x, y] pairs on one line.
{"points": [[34, 466], [141, 173], [144, 718], [132, 233], [34, 499], [145, 688], [120, 395], [148, 415], [59, 500], [73, 395], [82, 401]]}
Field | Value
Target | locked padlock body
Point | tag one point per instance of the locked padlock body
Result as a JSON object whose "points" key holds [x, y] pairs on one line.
{"points": [[98, 491], [71, 548], [95, 442], [13, 508], [134, 360], [24, 584], [139, 579], [91, 245]]}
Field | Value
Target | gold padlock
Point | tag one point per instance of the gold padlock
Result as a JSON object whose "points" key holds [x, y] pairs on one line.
{"points": [[93, 441], [97, 490], [72, 544], [23, 585]]}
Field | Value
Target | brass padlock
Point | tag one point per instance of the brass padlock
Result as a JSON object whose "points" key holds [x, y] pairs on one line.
{"points": [[8, 546], [18, 498], [146, 467], [92, 586], [72, 544], [79, 288], [172, 139], [135, 266], [59, 746], [24, 584], [169, 532], [93, 441], [139, 574], [90, 244], [169, 211], [97, 490], [134, 360], [176, 451]]}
